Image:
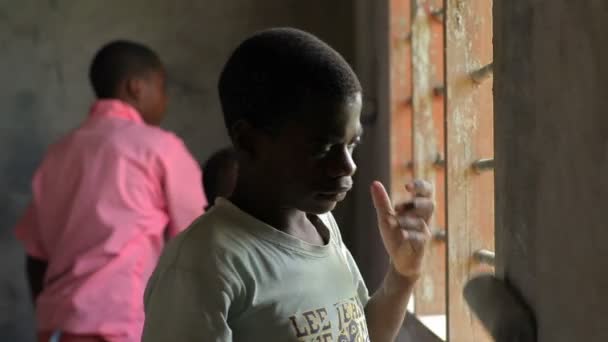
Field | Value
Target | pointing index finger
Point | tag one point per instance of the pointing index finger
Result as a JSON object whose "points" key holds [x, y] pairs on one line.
{"points": [[382, 202]]}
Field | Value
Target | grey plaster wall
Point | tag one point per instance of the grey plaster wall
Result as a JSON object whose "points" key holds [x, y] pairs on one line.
{"points": [[45, 49], [551, 132]]}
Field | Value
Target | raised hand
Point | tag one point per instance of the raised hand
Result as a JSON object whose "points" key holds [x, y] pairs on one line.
{"points": [[404, 228]]}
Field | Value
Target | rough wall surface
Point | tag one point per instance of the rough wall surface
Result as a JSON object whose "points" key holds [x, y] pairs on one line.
{"points": [[551, 140], [46, 48]]}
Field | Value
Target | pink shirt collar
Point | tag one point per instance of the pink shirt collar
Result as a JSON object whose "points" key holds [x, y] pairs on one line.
{"points": [[116, 109]]}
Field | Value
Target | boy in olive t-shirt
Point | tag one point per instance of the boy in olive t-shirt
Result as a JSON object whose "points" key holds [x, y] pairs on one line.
{"points": [[269, 264]]}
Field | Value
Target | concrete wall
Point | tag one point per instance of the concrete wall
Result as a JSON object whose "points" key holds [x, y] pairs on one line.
{"points": [[46, 47], [551, 140]]}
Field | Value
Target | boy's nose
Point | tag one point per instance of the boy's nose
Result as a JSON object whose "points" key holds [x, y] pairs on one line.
{"points": [[343, 165]]}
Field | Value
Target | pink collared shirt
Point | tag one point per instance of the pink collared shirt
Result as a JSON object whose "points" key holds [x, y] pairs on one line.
{"points": [[104, 198]]}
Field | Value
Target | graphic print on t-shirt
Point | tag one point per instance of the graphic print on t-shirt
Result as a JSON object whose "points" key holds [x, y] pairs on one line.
{"points": [[317, 326]]}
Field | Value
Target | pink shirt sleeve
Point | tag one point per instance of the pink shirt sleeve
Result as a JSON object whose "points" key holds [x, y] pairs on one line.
{"points": [[27, 232], [183, 189]]}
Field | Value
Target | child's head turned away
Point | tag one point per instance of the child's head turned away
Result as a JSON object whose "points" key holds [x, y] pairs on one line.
{"points": [[132, 73], [292, 106], [220, 174]]}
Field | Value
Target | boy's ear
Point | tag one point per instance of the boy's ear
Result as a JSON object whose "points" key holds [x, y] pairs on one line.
{"points": [[246, 138], [134, 87]]}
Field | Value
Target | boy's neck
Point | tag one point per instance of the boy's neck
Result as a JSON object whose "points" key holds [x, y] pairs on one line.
{"points": [[253, 197], [258, 203]]}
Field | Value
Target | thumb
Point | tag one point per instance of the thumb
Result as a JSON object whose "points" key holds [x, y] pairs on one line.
{"points": [[382, 202]]}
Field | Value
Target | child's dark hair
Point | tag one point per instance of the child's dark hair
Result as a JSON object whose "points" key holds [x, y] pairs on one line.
{"points": [[217, 166], [118, 60], [273, 75]]}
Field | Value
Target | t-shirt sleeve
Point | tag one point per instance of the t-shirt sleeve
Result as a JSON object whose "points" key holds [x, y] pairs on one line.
{"points": [[183, 187], [183, 306], [358, 281], [362, 291]]}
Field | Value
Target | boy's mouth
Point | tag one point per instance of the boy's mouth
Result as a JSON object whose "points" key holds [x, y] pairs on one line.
{"points": [[334, 195]]}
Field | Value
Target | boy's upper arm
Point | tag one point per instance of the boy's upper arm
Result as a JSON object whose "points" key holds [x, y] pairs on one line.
{"points": [[182, 183], [28, 232], [185, 306]]}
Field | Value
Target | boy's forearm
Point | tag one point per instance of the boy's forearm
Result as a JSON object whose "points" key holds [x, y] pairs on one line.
{"points": [[36, 269], [385, 311]]}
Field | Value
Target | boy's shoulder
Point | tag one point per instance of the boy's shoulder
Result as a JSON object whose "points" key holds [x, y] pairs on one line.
{"points": [[126, 137], [215, 236], [224, 238], [145, 142], [154, 139]]}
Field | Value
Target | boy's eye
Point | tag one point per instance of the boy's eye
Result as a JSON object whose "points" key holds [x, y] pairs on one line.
{"points": [[322, 150], [353, 145]]}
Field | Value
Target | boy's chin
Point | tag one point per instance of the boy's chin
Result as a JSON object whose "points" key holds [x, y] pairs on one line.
{"points": [[320, 207]]}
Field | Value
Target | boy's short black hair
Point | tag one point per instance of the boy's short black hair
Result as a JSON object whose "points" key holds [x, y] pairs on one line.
{"points": [[272, 75], [117, 60]]}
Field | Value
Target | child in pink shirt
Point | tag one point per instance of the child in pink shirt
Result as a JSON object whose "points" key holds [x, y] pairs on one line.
{"points": [[105, 199]]}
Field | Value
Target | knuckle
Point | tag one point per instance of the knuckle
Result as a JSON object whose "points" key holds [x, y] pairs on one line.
{"points": [[424, 188]]}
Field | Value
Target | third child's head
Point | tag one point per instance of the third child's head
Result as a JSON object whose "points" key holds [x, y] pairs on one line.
{"points": [[220, 173], [292, 106], [133, 73]]}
